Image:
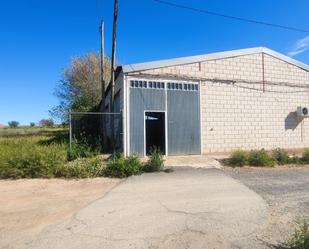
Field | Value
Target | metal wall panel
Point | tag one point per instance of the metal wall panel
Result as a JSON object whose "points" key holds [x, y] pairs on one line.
{"points": [[183, 122], [141, 100]]}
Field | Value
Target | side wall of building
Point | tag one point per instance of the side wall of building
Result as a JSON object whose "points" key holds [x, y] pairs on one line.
{"points": [[240, 114], [119, 107]]}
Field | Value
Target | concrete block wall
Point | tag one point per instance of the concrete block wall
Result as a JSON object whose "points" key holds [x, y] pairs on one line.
{"points": [[241, 115]]}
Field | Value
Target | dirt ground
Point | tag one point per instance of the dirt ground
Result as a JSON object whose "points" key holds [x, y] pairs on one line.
{"points": [[28, 206]]}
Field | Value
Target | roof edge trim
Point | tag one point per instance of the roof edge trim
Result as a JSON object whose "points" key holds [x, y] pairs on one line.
{"points": [[212, 56]]}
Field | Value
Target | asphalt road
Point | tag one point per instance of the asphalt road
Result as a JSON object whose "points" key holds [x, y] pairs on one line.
{"points": [[188, 208], [286, 191]]}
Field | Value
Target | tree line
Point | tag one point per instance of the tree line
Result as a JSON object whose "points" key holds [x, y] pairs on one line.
{"points": [[48, 122]]}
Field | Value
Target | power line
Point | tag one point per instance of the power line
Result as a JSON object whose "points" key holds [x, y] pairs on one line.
{"points": [[231, 17], [269, 91], [232, 82]]}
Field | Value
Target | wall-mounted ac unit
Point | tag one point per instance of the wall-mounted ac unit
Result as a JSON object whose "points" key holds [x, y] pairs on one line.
{"points": [[302, 111]]}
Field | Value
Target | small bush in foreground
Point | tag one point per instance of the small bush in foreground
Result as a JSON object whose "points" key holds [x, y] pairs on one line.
{"points": [[238, 158], [281, 156], [300, 239], [80, 150], [155, 162], [116, 166], [260, 158], [82, 168], [305, 156], [120, 167], [134, 166], [295, 160]]}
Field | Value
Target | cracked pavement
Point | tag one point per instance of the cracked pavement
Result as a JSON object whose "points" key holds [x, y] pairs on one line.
{"points": [[188, 208]]}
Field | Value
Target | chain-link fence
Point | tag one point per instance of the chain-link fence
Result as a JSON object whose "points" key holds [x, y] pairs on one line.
{"points": [[88, 128]]}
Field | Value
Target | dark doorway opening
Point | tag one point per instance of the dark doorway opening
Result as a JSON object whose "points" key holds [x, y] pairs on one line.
{"points": [[155, 131]]}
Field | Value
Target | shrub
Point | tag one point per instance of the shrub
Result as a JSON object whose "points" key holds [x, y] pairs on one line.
{"points": [[305, 156], [81, 149], [82, 168], [13, 124], [120, 167], [281, 156], [43, 156], [260, 158], [155, 162], [133, 166], [25, 158], [116, 166], [238, 158], [295, 160], [300, 239]]}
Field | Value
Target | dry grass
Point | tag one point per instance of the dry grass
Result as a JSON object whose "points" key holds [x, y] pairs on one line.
{"points": [[30, 131]]}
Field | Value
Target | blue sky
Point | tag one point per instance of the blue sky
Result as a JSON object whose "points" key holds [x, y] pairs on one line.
{"points": [[39, 38]]}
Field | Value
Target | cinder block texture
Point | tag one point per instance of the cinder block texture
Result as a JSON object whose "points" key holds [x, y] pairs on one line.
{"points": [[241, 115]]}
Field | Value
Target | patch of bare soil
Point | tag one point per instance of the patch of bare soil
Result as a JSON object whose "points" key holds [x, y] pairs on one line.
{"points": [[28, 206]]}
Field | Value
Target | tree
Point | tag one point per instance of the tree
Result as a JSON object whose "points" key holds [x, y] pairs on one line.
{"points": [[32, 124], [46, 122], [80, 87], [13, 124]]}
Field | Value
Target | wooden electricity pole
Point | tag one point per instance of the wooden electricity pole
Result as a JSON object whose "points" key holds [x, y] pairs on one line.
{"points": [[103, 85], [113, 71]]}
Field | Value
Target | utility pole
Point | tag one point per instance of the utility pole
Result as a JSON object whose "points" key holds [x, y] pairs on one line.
{"points": [[103, 85], [113, 70]]}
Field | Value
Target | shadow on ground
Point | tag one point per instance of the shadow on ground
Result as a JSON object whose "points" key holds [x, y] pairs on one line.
{"points": [[55, 138]]}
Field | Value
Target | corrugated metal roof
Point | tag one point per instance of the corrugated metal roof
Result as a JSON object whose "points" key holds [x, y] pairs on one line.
{"points": [[207, 57]]}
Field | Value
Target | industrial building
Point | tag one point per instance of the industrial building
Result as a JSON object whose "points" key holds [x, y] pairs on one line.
{"points": [[241, 99]]}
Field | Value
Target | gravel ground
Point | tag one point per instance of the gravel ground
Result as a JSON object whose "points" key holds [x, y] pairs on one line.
{"points": [[28, 206], [285, 189]]}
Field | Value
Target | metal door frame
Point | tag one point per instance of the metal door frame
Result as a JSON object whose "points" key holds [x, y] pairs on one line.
{"points": [[165, 130]]}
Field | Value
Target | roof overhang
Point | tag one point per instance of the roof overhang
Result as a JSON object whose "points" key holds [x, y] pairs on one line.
{"points": [[130, 68]]}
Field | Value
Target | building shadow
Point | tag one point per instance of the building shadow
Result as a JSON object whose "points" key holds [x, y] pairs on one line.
{"points": [[292, 121]]}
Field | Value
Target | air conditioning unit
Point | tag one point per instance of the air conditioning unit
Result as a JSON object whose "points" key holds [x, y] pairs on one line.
{"points": [[302, 111]]}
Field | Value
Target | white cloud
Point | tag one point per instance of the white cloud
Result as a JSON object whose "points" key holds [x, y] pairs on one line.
{"points": [[300, 46]]}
